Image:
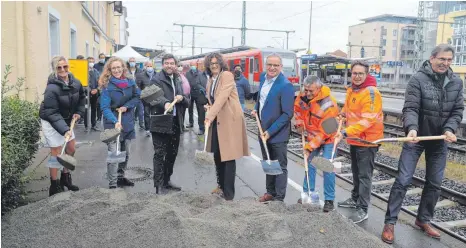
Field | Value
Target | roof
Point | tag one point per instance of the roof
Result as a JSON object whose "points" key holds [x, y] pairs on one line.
{"points": [[385, 16]]}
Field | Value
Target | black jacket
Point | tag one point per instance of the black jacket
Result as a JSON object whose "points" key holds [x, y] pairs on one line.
{"points": [[192, 76], [163, 81], [99, 67], [433, 106], [61, 101], [143, 80], [199, 85]]}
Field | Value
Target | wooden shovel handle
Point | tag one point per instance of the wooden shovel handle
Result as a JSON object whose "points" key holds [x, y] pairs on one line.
{"points": [[73, 122], [119, 115], [340, 123], [262, 133], [303, 140], [170, 106], [406, 139]]}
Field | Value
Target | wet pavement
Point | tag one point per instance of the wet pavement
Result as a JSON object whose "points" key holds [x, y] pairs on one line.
{"points": [[91, 171]]}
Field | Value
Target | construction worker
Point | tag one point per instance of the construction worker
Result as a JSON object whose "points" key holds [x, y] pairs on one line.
{"points": [[364, 120], [311, 108]]}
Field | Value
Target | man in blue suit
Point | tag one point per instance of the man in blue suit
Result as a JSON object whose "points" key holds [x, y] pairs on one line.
{"points": [[274, 107]]}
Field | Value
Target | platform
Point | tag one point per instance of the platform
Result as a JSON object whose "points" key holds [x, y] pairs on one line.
{"points": [[250, 180]]}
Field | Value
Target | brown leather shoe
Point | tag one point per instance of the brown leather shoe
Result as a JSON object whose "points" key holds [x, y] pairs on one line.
{"points": [[265, 198], [300, 201], [428, 229], [388, 234]]}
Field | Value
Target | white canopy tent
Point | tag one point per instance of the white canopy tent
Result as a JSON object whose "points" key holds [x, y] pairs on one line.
{"points": [[128, 52]]}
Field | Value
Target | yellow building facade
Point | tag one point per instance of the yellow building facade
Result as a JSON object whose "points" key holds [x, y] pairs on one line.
{"points": [[34, 32], [455, 35]]}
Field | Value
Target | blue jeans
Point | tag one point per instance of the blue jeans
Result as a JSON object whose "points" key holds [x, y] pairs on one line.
{"points": [[329, 177]]}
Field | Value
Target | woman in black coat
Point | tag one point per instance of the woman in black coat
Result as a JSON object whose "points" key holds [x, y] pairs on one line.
{"points": [[64, 100]]}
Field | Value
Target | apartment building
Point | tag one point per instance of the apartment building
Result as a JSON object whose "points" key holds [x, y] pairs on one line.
{"points": [[386, 38], [34, 32]]}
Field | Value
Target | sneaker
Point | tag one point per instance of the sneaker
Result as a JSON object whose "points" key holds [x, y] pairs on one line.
{"points": [[190, 126], [123, 181], [349, 203], [328, 206], [112, 187], [95, 128], [147, 133], [359, 216]]}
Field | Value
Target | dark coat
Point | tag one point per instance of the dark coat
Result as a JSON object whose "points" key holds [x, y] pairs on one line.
{"points": [[192, 76], [61, 102], [143, 79], [244, 90], [112, 98], [163, 81], [433, 106], [99, 67]]}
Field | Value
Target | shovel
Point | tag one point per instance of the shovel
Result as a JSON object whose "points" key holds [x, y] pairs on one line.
{"points": [[404, 139], [117, 156], [151, 94], [330, 126], [270, 167], [163, 123], [204, 157], [109, 135], [64, 159], [306, 198]]}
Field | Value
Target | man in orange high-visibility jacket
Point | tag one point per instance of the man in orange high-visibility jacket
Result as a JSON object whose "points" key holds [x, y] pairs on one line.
{"points": [[311, 109], [364, 120]]}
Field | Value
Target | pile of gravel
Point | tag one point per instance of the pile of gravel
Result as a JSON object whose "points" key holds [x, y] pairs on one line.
{"points": [[98, 217]]}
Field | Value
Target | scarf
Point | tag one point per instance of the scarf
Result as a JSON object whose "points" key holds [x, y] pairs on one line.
{"points": [[121, 83]]}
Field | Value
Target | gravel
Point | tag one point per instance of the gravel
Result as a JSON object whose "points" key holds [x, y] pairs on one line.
{"points": [[98, 217], [460, 230], [412, 200], [450, 213]]}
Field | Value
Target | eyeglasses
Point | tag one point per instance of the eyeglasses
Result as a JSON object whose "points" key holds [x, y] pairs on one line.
{"points": [[443, 60], [116, 68], [214, 63], [273, 65], [65, 67], [358, 74]]}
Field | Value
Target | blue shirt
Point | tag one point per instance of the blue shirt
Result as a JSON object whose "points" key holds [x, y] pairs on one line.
{"points": [[265, 92]]}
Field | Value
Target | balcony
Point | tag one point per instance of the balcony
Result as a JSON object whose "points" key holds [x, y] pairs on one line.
{"points": [[408, 47]]}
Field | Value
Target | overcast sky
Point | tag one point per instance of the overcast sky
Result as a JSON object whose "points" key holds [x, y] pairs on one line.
{"points": [[151, 23]]}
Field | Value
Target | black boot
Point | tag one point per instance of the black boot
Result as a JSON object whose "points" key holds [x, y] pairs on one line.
{"points": [[123, 181], [66, 181], [171, 186], [55, 187], [159, 190]]}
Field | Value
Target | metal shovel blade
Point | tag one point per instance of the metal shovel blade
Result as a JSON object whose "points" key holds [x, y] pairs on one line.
{"points": [[271, 167], [330, 126], [322, 164], [204, 158], [109, 135], [67, 161], [116, 157]]}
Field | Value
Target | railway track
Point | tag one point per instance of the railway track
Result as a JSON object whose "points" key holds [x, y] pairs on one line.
{"points": [[450, 211]]}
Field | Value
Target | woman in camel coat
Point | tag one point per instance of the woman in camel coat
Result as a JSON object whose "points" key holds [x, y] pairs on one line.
{"points": [[227, 137]]}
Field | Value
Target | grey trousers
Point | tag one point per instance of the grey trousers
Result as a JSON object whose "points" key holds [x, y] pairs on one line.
{"points": [[362, 166], [116, 170]]}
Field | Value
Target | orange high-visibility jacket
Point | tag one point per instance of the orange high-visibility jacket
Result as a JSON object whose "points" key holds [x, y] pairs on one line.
{"points": [[364, 116], [311, 115]]}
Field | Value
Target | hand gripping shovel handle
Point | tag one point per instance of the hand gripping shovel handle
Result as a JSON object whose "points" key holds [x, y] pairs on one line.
{"points": [[170, 106], [405, 139], [306, 167], [340, 123], [261, 132], [73, 121]]}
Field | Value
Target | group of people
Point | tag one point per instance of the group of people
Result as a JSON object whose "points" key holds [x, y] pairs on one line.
{"points": [[433, 106]]}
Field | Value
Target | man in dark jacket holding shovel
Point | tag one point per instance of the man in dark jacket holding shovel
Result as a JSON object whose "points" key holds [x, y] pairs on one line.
{"points": [[433, 106], [166, 144]]}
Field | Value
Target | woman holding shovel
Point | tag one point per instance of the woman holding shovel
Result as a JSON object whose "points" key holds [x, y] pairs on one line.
{"points": [[119, 94], [64, 100], [224, 122]]}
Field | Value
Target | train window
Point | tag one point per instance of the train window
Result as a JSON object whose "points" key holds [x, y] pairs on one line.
{"points": [[251, 65], [256, 65], [243, 63]]}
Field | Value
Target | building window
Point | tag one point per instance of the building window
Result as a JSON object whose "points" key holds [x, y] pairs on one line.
{"points": [[73, 52], [395, 32], [384, 42], [87, 49], [54, 32], [457, 44], [384, 31], [383, 52], [457, 60], [463, 60], [395, 43]]}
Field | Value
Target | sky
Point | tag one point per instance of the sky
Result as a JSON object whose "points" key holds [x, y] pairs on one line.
{"points": [[151, 22]]}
